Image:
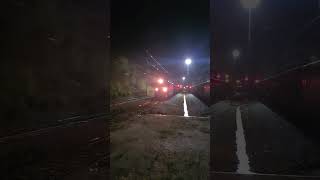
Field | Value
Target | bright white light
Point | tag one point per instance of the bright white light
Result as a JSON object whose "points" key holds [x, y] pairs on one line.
{"points": [[183, 78], [156, 89], [188, 61], [160, 81], [250, 4], [185, 107], [164, 89]]}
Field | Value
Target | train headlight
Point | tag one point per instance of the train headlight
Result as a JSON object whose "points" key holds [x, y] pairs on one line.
{"points": [[164, 89], [160, 81], [156, 89]]}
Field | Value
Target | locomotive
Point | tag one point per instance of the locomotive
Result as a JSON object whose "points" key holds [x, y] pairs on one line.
{"points": [[163, 88]]}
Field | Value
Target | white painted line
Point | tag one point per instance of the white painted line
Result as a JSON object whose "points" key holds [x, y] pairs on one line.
{"points": [[185, 107], [243, 166], [178, 116]]}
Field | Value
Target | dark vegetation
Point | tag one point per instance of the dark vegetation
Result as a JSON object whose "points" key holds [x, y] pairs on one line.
{"points": [[128, 79]]}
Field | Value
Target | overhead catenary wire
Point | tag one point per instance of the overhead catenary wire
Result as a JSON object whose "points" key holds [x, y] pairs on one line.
{"points": [[156, 62]]}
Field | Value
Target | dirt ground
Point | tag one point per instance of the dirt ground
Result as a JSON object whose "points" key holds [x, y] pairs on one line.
{"points": [[160, 147]]}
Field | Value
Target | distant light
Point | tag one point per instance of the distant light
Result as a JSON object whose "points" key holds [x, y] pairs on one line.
{"points": [[188, 61], [156, 89], [250, 4], [227, 80], [227, 76], [164, 89], [257, 81], [246, 78], [183, 78], [235, 53], [218, 76], [160, 81], [237, 81]]}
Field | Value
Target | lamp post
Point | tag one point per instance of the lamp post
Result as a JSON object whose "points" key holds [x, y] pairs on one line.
{"points": [[188, 61], [249, 4]]}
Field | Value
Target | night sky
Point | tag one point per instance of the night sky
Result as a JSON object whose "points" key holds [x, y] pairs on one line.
{"points": [[282, 35], [171, 30]]}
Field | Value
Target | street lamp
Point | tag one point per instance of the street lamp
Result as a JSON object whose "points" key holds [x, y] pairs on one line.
{"points": [[235, 53], [183, 78], [249, 4], [188, 61]]}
